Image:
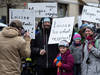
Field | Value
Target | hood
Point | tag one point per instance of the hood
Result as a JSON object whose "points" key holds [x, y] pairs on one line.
{"points": [[10, 32]]}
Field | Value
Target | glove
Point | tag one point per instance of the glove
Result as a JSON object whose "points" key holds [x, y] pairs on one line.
{"points": [[58, 58], [58, 64], [55, 60]]}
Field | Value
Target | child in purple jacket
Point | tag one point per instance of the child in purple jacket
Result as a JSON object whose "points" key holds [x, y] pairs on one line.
{"points": [[64, 60]]}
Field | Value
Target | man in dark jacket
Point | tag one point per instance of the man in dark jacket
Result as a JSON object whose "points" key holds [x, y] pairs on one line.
{"points": [[44, 52]]}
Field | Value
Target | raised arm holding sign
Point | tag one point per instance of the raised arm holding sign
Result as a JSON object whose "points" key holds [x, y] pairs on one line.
{"points": [[62, 29]]}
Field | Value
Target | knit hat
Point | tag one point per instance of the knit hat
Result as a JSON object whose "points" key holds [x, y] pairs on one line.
{"points": [[16, 23], [63, 43], [83, 25], [76, 36], [46, 19], [91, 27]]}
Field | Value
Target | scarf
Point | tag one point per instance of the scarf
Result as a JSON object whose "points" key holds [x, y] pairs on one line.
{"points": [[91, 40], [77, 44]]}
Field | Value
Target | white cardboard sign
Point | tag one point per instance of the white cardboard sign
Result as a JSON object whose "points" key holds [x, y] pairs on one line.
{"points": [[91, 14], [44, 9], [27, 17], [62, 29]]}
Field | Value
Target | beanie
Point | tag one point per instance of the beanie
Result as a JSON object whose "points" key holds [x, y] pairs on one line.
{"points": [[46, 19], [83, 25], [76, 36], [91, 27], [16, 23], [63, 43]]}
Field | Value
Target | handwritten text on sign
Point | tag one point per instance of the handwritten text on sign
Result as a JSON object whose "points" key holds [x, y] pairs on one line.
{"points": [[61, 30], [91, 14], [27, 17], [44, 9]]}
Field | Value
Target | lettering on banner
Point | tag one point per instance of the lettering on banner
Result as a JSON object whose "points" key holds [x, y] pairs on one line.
{"points": [[27, 18], [89, 13], [61, 30], [20, 17], [51, 14], [61, 38], [46, 9], [40, 11], [98, 11], [85, 10], [27, 23], [31, 8], [98, 19], [65, 30]]}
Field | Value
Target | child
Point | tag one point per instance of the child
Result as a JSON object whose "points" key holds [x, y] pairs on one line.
{"points": [[76, 50], [64, 60]]}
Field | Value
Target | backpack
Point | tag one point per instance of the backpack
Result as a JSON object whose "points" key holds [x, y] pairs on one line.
{"points": [[97, 41]]}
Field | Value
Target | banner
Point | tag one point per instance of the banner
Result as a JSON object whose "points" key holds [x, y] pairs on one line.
{"points": [[62, 29], [44, 9], [79, 22], [27, 17], [91, 14]]}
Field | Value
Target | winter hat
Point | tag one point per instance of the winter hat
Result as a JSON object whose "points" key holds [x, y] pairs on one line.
{"points": [[16, 23], [91, 27], [63, 43], [76, 36], [46, 19], [83, 25]]}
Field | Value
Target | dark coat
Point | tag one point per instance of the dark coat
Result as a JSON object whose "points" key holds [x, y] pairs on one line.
{"points": [[67, 64], [51, 50]]}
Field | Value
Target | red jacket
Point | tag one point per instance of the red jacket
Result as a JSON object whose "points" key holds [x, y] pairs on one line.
{"points": [[67, 64]]}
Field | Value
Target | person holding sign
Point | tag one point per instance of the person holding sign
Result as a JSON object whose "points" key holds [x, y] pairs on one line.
{"points": [[45, 52], [12, 49], [91, 53], [64, 60]]}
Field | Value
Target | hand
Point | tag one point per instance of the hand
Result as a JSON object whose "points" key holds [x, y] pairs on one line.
{"points": [[27, 36], [55, 60], [42, 52], [90, 46], [58, 58], [58, 63]]}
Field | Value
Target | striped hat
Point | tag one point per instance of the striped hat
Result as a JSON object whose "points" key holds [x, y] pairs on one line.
{"points": [[76, 36]]}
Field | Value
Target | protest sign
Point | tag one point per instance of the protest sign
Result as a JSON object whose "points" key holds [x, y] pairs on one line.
{"points": [[44, 9], [79, 22], [91, 14], [27, 17], [62, 29]]}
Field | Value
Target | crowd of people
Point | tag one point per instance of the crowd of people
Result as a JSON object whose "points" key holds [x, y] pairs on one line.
{"points": [[81, 56]]}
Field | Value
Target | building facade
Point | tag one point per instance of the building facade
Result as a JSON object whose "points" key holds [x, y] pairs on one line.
{"points": [[65, 7]]}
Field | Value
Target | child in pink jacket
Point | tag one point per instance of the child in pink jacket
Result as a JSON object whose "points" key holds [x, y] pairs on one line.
{"points": [[64, 60]]}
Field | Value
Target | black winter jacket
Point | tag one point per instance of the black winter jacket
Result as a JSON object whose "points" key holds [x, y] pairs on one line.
{"points": [[37, 44]]}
